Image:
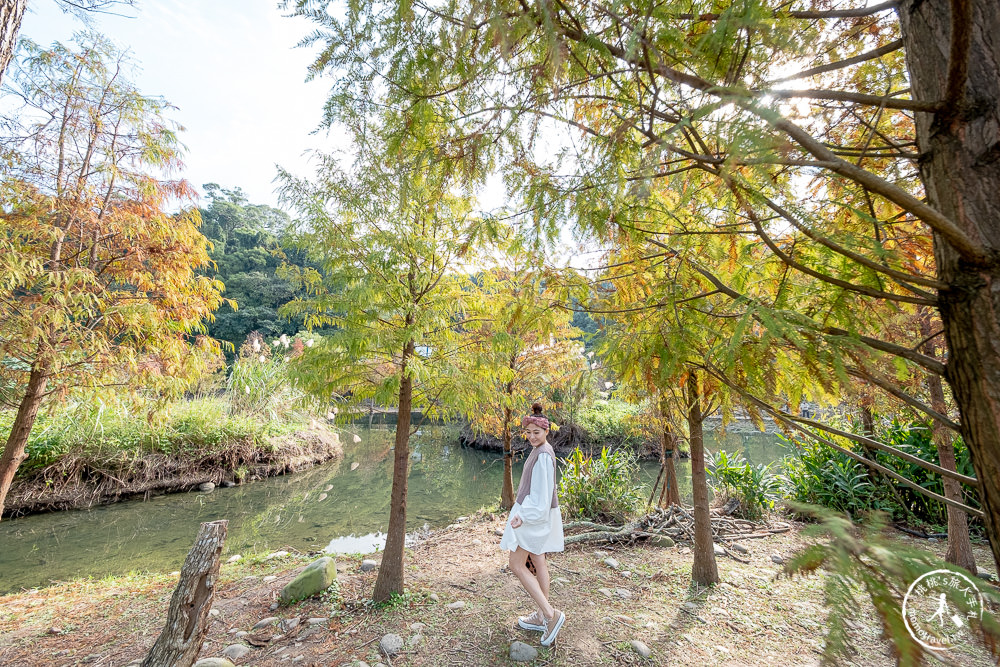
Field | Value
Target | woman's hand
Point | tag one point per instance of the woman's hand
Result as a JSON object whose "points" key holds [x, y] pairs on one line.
{"points": [[516, 522]]}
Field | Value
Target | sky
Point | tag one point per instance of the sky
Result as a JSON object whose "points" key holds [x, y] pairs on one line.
{"points": [[232, 70]]}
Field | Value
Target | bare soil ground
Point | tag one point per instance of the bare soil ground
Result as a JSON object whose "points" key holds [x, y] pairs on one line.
{"points": [[753, 618]]}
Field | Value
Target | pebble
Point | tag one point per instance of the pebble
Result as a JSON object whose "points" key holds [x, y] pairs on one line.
{"points": [[322, 497], [612, 563], [623, 593], [456, 605], [640, 648], [739, 548], [625, 619], [777, 559], [274, 606], [229, 484], [214, 662], [54, 630], [434, 597], [560, 580], [356, 438], [264, 622], [355, 465], [317, 620], [498, 532], [213, 613], [235, 651], [269, 578], [298, 658], [691, 607], [328, 487], [607, 592], [415, 640], [521, 652], [206, 487], [417, 627], [719, 551], [241, 634], [626, 574], [234, 558], [600, 554], [391, 644], [276, 554], [289, 624], [368, 565], [477, 543]]}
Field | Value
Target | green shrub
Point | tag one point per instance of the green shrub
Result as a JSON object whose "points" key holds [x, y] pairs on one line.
{"points": [[610, 422], [915, 438], [600, 488], [754, 486], [819, 475]]}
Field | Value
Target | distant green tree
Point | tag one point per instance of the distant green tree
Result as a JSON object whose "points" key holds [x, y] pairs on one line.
{"points": [[247, 251]]}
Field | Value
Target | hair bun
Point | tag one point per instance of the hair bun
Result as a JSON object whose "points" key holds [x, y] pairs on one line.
{"points": [[536, 408]]}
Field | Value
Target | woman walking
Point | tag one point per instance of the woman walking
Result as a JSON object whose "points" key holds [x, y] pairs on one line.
{"points": [[534, 527]]}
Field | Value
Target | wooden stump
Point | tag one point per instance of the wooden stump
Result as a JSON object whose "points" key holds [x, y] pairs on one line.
{"points": [[187, 620]]}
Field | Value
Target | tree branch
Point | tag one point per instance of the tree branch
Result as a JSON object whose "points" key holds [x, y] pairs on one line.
{"points": [[829, 67]]}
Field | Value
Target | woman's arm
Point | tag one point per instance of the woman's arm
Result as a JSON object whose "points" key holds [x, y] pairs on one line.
{"points": [[536, 505]]}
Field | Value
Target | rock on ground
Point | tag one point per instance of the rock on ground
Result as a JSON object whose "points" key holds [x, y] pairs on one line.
{"points": [[368, 565], [640, 648], [391, 644], [235, 651], [521, 652], [214, 662], [315, 578]]}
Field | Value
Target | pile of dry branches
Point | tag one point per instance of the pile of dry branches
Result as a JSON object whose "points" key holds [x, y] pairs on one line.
{"points": [[677, 523]]}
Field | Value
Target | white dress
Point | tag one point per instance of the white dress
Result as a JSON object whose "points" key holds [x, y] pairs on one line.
{"points": [[541, 531]]}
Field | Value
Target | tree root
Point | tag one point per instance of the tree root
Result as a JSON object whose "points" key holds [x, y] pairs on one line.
{"points": [[677, 523]]}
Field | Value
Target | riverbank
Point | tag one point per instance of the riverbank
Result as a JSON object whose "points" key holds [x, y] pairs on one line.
{"points": [[87, 478], [461, 607]]}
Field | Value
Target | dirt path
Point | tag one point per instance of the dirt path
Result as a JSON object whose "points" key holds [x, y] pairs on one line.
{"points": [[753, 618]]}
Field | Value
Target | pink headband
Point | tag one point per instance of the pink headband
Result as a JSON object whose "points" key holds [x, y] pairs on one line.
{"points": [[537, 420]]}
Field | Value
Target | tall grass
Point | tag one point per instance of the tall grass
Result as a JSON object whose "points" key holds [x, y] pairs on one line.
{"points": [[754, 486], [97, 430], [600, 488]]}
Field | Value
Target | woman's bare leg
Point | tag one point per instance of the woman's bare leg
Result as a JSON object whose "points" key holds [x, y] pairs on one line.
{"points": [[542, 573], [529, 582]]}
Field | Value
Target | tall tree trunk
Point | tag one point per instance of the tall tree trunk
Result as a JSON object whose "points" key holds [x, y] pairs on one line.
{"points": [[670, 495], [187, 619], [959, 545], [13, 451], [390, 572], [507, 490], [704, 570], [960, 168], [11, 14]]}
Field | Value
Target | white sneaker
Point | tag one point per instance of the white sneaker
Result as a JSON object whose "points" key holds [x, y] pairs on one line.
{"points": [[552, 627], [532, 621]]}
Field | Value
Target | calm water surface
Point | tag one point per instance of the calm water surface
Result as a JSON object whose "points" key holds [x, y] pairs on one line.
{"points": [[288, 512]]}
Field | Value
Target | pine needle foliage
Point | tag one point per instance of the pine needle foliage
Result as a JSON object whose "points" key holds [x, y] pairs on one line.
{"points": [[861, 564]]}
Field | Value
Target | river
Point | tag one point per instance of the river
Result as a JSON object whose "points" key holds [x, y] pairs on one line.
{"points": [[340, 507]]}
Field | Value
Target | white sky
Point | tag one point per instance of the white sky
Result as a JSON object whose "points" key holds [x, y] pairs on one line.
{"points": [[231, 68]]}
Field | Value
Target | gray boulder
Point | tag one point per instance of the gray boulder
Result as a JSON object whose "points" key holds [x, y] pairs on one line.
{"points": [[235, 651], [368, 565], [521, 652], [315, 578], [660, 541], [640, 648], [206, 487], [391, 644]]}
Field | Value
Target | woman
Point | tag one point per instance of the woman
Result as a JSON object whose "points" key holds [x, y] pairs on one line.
{"points": [[534, 527]]}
